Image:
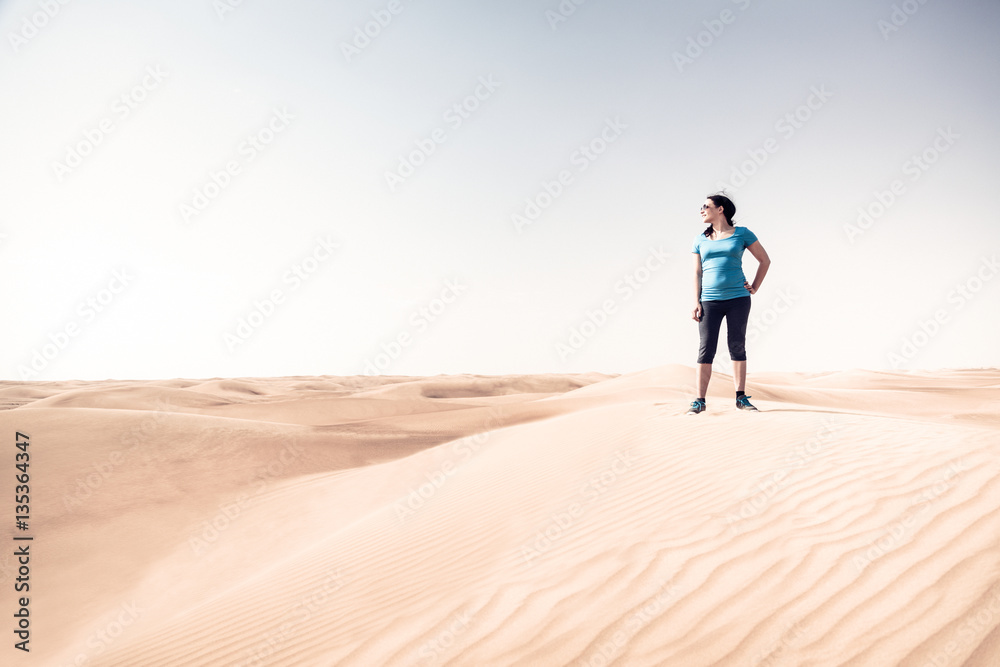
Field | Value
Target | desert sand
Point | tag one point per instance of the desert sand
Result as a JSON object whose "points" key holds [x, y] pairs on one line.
{"points": [[510, 520]]}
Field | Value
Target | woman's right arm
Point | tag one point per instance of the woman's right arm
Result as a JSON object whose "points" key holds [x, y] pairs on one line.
{"points": [[696, 315]]}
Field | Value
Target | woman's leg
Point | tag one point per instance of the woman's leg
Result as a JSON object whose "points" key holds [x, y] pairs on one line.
{"points": [[740, 375], [703, 374], [736, 331], [708, 330]]}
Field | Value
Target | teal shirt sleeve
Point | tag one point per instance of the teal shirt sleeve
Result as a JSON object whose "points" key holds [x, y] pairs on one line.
{"points": [[749, 238]]}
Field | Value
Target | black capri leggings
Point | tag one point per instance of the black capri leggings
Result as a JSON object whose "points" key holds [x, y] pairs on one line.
{"points": [[737, 312]]}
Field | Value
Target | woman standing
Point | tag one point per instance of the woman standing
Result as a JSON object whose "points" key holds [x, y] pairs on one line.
{"points": [[721, 291]]}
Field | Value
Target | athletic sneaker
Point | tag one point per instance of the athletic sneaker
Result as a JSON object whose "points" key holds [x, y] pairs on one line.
{"points": [[696, 407], [743, 404]]}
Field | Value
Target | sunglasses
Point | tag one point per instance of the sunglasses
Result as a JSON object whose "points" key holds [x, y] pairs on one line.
{"points": [[705, 207]]}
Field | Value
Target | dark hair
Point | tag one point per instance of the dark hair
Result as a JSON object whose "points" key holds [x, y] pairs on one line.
{"points": [[728, 209]]}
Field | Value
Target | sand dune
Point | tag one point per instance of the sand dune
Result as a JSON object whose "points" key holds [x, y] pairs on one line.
{"points": [[517, 520]]}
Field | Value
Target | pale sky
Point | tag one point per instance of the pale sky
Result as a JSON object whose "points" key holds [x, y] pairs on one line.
{"points": [[214, 188]]}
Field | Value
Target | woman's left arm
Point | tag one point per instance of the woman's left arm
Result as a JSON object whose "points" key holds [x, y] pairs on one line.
{"points": [[757, 250]]}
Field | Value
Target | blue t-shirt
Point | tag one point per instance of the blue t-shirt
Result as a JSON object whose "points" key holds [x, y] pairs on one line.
{"points": [[722, 264]]}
